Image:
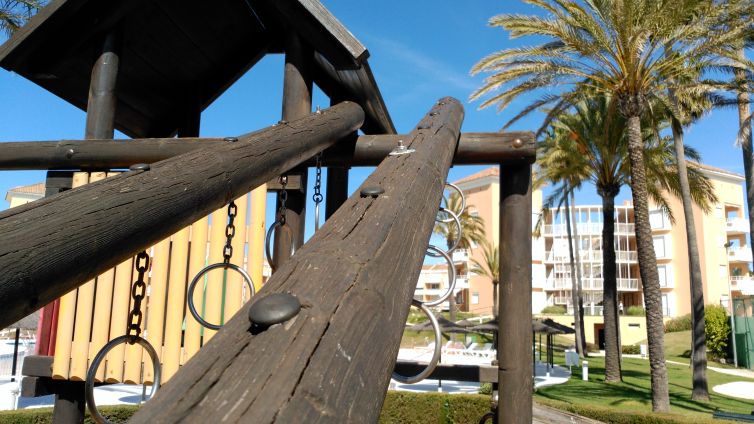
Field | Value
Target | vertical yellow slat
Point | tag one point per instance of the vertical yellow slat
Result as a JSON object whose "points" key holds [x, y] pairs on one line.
{"points": [[171, 354], [66, 315], [214, 291], [82, 329], [235, 286], [197, 261], [102, 314], [134, 353], [158, 284], [257, 230], [119, 319]]}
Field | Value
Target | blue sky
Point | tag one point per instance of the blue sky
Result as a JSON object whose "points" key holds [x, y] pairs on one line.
{"points": [[420, 51]]}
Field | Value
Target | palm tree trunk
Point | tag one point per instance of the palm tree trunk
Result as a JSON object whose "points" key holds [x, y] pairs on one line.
{"points": [[579, 293], [610, 291], [698, 338], [647, 259], [574, 286], [746, 148]]}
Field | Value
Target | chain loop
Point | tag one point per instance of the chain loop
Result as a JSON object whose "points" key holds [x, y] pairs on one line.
{"points": [[138, 293], [317, 196], [283, 198], [230, 231]]}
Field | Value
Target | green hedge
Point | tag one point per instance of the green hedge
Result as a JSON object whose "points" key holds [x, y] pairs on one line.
{"points": [[554, 310], [614, 416], [636, 311], [682, 323], [117, 414]]}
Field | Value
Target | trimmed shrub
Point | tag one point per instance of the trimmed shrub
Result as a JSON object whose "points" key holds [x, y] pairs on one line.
{"points": [[613, 416], [592, 347], [117, 414], [631, 349], [717, 330], [636, 311], [682, 323], [407, 407], [485, 389], [554, 310]]}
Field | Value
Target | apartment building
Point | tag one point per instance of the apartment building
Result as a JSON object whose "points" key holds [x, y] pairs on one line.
{"points": [[723, 243]]}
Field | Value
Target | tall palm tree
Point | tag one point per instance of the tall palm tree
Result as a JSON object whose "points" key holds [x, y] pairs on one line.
{"points": [[489, 267], [575, 273], [590, 144], [613, 47], [472, 232], [15, 13]]}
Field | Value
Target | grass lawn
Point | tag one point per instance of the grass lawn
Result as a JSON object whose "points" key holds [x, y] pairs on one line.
{"points": [[633, 394]]}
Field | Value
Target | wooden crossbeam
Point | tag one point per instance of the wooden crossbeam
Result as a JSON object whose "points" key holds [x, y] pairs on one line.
{"points": [[51, 246], [355, 279], [366, 150]]}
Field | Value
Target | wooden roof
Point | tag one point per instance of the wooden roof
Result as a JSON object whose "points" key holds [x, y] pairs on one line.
{"points": [[177, 51]]}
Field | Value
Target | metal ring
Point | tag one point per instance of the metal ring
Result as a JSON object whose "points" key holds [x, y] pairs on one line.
{"points": [[316, 216], [268, 239], [89, 383], [463, 202], [451, 277], [453, 217], [435, 355], [196, 279]]}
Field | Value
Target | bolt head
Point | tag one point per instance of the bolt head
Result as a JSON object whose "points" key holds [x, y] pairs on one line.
{"points": [[273, 309], [230, 139], [372, 191], [69, 153], [517, 143], [139, 167]]}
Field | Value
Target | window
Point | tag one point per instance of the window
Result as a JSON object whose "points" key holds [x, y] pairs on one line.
{"points": [[665, 305], [718, 212], [659, 245], [474, 298], [656, 219], [662, 271]]}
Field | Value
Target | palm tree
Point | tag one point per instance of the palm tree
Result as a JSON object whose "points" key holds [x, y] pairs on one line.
{"points": [[590, 144], [15, 13], [617, 48], [575, 273], [472, 232], [489, 267]]}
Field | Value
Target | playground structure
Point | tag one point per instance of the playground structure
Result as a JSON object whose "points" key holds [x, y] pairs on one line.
{"points": [[149, 69]]}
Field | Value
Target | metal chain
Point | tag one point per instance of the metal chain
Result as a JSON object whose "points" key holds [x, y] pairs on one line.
{"points": [[283, 198], [138, 292], [230, 231], [317, 196]]}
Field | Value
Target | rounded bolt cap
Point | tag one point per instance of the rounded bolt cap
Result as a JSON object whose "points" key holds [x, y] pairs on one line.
{"points": [[518, 143], [372, 191], [230, 139], [274, 309], [139, 167], [69, 153]]}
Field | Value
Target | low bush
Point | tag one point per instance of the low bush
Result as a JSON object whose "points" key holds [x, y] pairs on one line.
{"points": [[554, 310], [631, 349], [614, 416], [682, 323], [717, 330], [636, 311], [592, 347], [117, 414], [485, 389]]}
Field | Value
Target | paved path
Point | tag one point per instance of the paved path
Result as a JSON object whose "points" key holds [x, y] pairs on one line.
{"points": [[546, 415]]}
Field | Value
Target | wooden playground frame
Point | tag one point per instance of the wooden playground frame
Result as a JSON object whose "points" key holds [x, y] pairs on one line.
{"points": [[355, 278]]}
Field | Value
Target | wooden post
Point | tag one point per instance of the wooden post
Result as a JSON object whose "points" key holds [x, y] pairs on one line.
{"points": [[53, 245], [100, 110], [355, 279], [337, 183], [514, 309], [297, 102]]}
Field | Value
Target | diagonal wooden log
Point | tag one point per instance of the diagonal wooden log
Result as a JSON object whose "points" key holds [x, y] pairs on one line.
{"points": [[366, 150], [355, 278], [50, 246]]}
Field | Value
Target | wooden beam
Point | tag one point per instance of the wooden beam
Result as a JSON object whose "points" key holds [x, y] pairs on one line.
{"points": [[366, 150], [355, 279], [514, 291], [52, 245]]}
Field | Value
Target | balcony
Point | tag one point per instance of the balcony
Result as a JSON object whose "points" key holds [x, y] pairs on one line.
{"points": [[460, 255], [462, 282], [744, 284], [584, 228], [737, 226], [623, 284], [626, 257], [739, 254]]}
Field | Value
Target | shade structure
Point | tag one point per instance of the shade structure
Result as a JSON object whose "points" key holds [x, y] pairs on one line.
{"points": [[547, 326], [564, 329], [490, 326], [446, 326], [465, 323]]}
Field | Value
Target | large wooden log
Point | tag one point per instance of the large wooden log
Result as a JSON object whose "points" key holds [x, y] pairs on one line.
{"points": [[366, 150], [355, 278], [50, 246]]}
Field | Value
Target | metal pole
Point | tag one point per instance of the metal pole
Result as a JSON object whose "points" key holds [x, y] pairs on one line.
{"points": [[514, 306], [15, 356], [730, 306]]}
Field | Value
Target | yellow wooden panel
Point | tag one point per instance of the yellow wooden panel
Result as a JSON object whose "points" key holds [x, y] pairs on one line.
{"points": [[255, 260], [102, 312], [214, 287], [66, 315], [197, 261], [82, 328], [234, 289], [119, 320], [158, 284], [179, 255]]}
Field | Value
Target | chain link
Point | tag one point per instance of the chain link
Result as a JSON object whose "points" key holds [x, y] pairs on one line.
{"points": [[283, 198], [317, 196], [138, 292], [230, 231]]}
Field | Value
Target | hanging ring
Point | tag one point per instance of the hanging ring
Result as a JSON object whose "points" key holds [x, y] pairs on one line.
{"points": [[268, 239], [463, 202], [192, 287], [451, 276], [435, 355], [89, 383], [453, 217], [316, 216]]}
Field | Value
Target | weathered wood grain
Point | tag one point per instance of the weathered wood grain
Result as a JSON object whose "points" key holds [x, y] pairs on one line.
{"points": [[365, 150], [50, 246], [355, 279]]}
